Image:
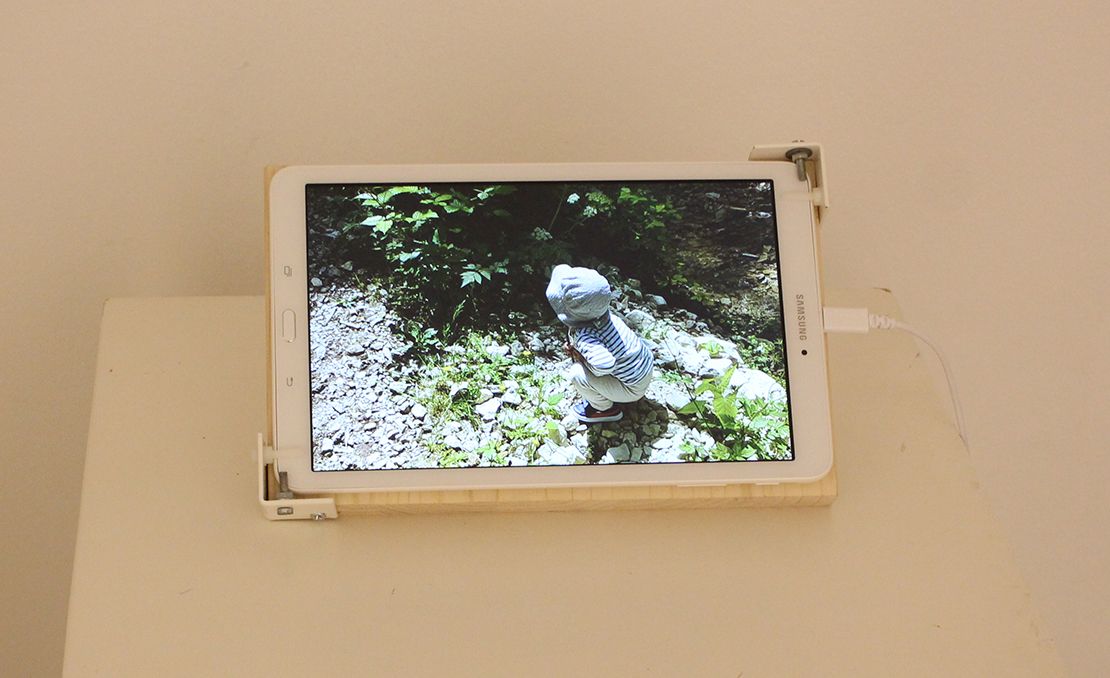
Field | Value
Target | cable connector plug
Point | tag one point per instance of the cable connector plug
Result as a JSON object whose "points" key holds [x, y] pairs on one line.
{"points": [[851, 320]]}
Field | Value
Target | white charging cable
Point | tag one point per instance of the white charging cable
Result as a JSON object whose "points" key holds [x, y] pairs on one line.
{"points": [[861, 321]]}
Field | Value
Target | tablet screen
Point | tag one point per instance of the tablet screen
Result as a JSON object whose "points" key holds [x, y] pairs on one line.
{"points": [[545, 323]]}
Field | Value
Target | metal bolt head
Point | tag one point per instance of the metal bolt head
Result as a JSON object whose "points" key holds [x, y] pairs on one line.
{"points": [[798, 156], [319, 516]]}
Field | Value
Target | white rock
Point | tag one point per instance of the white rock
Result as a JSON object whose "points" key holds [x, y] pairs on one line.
{"points": [[498, 350], [451, 440], [656, 299], [552, 453], [690, 360], [418, 411], [715, 367], [316, 282], [639, 319], [512, 398], [680, 339], [754, 384], [484, 395], [664, 357], [669, 454], [488, 409], [570, 422], [676, 398]]}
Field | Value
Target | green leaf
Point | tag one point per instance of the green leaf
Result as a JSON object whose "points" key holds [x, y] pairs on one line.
{"points": [[725, 408], [471, 278], [692, 407], [371, 220], [555, 398], [408, 256], [726, 378], [386, 195], [383, 226]]}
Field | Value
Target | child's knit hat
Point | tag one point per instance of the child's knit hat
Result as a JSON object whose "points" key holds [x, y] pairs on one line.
{"points": [[578, 295]]}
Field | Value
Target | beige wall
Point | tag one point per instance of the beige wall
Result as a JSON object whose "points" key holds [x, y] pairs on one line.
{"points": [[968, 158]]}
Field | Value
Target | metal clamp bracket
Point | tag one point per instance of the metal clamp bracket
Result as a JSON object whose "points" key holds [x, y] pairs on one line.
{"points": [[284, 506], [810, 162]]}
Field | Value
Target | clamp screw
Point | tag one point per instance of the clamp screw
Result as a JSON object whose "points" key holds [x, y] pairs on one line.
{"points": [[798, 156], [319, 516]]}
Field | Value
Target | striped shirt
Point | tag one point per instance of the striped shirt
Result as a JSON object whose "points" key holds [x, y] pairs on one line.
{"points": [[610, 347]]}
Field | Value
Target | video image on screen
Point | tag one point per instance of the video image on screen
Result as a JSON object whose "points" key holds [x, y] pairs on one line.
{"points": [[545, 323]]}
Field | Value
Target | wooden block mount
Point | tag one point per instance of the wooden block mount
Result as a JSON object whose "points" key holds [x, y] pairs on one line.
{"points": [[818, 493]]}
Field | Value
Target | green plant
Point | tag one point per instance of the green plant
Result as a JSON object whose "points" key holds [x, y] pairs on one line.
{"points": [[447, 456], [743, 428], [713, 348], [523, 431], [422, 339], [447, 253]]}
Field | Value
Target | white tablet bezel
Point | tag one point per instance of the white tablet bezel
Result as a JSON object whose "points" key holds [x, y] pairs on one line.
{"points": [[288, 306]]}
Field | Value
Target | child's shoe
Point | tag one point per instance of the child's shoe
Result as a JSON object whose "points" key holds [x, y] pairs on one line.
{"points": [[588, 415]]}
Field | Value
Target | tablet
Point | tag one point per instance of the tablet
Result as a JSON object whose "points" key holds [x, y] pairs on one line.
{"points": [[545, 325]]}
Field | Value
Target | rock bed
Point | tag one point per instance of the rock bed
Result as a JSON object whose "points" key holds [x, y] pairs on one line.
{"points": [[367, 415]]}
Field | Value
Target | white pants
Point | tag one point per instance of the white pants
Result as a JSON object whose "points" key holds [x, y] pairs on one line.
{"points": [[602, 392]]}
